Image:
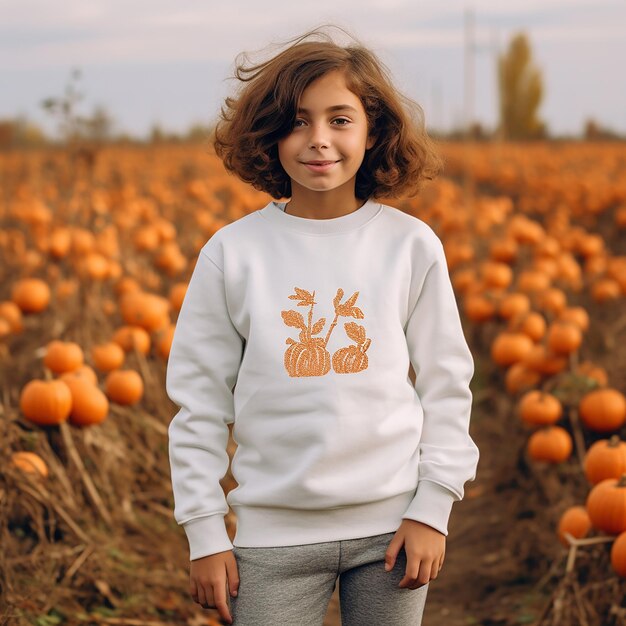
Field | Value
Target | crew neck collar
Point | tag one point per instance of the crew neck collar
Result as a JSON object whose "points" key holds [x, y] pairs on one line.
{"points": [[275, 212]]}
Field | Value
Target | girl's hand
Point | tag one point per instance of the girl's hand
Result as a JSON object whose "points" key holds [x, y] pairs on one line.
{"points": [[425, 551], [208, 580]]}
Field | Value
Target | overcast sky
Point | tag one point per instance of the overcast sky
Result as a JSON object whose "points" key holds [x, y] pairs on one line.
{"points": [[167, 61]]}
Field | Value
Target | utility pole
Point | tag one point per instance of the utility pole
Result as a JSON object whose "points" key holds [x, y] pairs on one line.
{"points": [[468, 103]]}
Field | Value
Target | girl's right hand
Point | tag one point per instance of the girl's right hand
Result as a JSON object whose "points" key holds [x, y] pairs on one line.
{"points": [[209, 577]]}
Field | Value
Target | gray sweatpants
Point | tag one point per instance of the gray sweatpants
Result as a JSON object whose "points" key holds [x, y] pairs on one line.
{"points": [[292, 585]]}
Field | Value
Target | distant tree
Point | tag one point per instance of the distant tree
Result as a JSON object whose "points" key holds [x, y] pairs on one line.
{"points": [[20, 133], [594, 131], [521, 92]]}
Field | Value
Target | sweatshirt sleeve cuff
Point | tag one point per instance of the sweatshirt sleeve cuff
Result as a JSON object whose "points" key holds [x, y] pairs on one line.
{"points": [[431, 505], [206, 536]]}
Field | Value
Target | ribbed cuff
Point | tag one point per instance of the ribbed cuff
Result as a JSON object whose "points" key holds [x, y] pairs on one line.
{"points": [[207, 535], [431, 505]]}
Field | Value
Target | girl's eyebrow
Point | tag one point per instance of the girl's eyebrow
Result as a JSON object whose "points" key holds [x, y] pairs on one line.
{"points": [[336, 107]]}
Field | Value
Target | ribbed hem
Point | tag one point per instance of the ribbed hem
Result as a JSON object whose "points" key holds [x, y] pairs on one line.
{"points": [[274, 212], [207, 535], [431, 505], [266, 527]]}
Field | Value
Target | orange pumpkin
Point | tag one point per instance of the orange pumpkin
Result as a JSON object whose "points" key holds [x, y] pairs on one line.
{"points": [[177, 295], [30, 462], [124, 386], [108, 356], [606, 505], [510, 347], [145, 310], [618, 555], [132, 337], [513, 305], [32, 295], [84, 372], [89, 405], [519, 377], [552, 444], [564, 337], [603, 410], [576, 314], [63, 356], [604, 459], [539, 408], [10, 312], [575, 521], [46, 402]]}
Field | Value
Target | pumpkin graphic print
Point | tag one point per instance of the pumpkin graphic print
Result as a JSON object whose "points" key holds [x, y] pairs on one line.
{"points": [[309, 355]]}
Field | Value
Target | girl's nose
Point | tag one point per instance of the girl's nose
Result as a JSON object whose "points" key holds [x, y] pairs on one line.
{"points": [[318, 139]]}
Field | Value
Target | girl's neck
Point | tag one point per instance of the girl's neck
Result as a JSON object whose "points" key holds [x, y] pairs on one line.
{"points": [[322, 206]]}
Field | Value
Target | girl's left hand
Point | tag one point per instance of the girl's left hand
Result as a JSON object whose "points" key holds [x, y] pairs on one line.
{"points": [[425, 551]]}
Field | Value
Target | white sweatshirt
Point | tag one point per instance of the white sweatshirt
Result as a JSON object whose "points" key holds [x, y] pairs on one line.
{"points": [[313, 322]]}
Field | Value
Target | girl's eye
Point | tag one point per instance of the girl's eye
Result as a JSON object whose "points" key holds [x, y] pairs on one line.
{"points": [[341, 121], [298, 123]]}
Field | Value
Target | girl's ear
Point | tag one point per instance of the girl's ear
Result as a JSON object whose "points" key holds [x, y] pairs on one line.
{"points": [[371, 140]]}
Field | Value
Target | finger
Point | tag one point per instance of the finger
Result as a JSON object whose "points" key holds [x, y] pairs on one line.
{"points": [[410, 574], [219, 593], [193, 589], [434, 570], [233, 576], [205, 600], [392, 552]]}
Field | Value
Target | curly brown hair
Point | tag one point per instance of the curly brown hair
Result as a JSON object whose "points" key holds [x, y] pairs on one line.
{"points": [[264, 111]]}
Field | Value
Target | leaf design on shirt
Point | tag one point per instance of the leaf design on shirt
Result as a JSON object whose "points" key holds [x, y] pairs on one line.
{"points": [[306, 298], [355, 331]]}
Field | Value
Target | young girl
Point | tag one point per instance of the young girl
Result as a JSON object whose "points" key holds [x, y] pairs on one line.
{"points": [[299, 327]]}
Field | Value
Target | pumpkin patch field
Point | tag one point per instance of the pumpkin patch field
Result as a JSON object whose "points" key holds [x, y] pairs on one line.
{"points": [[96, 249]]}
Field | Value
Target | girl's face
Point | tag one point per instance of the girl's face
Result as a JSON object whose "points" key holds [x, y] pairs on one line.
{"points": [[326, 147]]}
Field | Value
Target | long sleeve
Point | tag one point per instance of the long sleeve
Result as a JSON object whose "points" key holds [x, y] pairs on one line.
{"points": [[443, 366], [202, 370]]}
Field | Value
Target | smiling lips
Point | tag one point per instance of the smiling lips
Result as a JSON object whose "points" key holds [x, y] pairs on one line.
{"points": [[318, 166]]}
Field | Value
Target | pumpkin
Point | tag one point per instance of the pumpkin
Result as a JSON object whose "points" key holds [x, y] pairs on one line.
{"points": [[552, 444], [496, 274], [164, 339], [604, 459], [478, 308], [32, 295], [107, 356], [594, 372], [177, 295], [30, 462], [552, 299], [606, 505], [46, 402], [132, 337], [145, 310], [575, 521], [63, 356], [542, 360], [519, 377], [532, 324], [576, 314], [603, 410], [605, 289], [84, 372], [510, 347], [564, 337], [513, 305], [618, 555], [539, 408], [89, 405], [124, 386], [12, 313]]}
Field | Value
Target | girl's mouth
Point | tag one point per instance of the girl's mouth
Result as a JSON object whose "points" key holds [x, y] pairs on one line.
{"points": [[319, 166]]}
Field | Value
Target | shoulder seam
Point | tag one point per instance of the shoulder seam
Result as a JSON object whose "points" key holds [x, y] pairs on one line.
{"points": [[203, 253]]}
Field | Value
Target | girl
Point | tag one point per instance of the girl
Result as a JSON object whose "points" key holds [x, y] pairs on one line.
{"points": [[299, 326]]}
